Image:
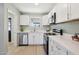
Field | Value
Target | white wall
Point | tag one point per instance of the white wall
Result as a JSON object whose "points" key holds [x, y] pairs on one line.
{"points": [[3, 29], [4, 26], [15, 22]]}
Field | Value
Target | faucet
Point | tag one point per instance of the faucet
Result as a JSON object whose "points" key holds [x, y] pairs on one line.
{"points": [[34, 29]]}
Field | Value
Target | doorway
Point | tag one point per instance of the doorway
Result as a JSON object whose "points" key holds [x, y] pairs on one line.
{"points": [[10, 28]]}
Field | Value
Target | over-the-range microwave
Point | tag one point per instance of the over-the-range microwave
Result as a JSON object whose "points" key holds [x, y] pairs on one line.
{"points": [[53, 18]]}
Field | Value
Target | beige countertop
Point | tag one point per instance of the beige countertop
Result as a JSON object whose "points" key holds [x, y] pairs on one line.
{"points": [[66, 41]]}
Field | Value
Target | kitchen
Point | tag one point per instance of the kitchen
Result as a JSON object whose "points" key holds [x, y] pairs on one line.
{"points": [[42, 28], [31, 29]]}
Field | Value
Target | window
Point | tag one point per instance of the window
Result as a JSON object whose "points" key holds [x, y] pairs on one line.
{"points": [[35, 22]]}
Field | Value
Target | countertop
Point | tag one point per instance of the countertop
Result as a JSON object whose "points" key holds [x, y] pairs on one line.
{"points": [[67, 42], [22, 32]]}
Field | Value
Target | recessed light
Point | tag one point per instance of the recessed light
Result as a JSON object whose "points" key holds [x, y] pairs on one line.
{"points": [[36, 4]]}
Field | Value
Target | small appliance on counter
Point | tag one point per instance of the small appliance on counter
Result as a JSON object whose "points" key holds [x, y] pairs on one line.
{"points": [[75, 37], [58, 31]]}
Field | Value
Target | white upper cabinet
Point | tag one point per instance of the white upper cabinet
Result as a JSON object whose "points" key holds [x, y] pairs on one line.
{"points": [[24, 20], [74, 12], [50, 16], [61, 12], [45, 20], [65, 12]]}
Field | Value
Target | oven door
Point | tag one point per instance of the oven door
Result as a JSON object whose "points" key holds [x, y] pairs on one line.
{"points": [[46, 39]]}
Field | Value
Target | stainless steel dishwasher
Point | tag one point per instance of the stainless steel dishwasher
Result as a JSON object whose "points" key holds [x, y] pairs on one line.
{"points": [[22, 39]]}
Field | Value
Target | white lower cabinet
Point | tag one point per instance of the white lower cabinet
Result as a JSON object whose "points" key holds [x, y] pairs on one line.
{"points": [[70, 53], [31, 38], [56, 49], [38, 38], [35, 38]]}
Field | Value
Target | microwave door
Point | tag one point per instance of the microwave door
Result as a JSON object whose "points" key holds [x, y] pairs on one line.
{"points": [[52, 19]]}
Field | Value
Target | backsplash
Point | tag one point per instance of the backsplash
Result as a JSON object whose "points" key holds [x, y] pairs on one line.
{"points": [[30, 28], [70, 27]]}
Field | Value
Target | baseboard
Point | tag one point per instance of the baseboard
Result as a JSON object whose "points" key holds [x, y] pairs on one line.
{"points": [[31, 45], [23, 45], [35, 45], [3, 53]]}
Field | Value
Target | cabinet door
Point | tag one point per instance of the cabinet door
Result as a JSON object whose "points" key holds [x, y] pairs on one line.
{"points": [[61, 12], [51, 47], [38, 38], [70, 53], [49, 16], [74, 11], [24, 20], [61, 49], [25, 39], [45, 20], [55, 48], [31, 38]]}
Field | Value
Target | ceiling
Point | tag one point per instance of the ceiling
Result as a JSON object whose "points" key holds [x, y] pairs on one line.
{"points": [[31, 8]]}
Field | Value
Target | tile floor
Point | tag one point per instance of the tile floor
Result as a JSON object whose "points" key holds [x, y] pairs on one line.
{"points": [[25, 50]]}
